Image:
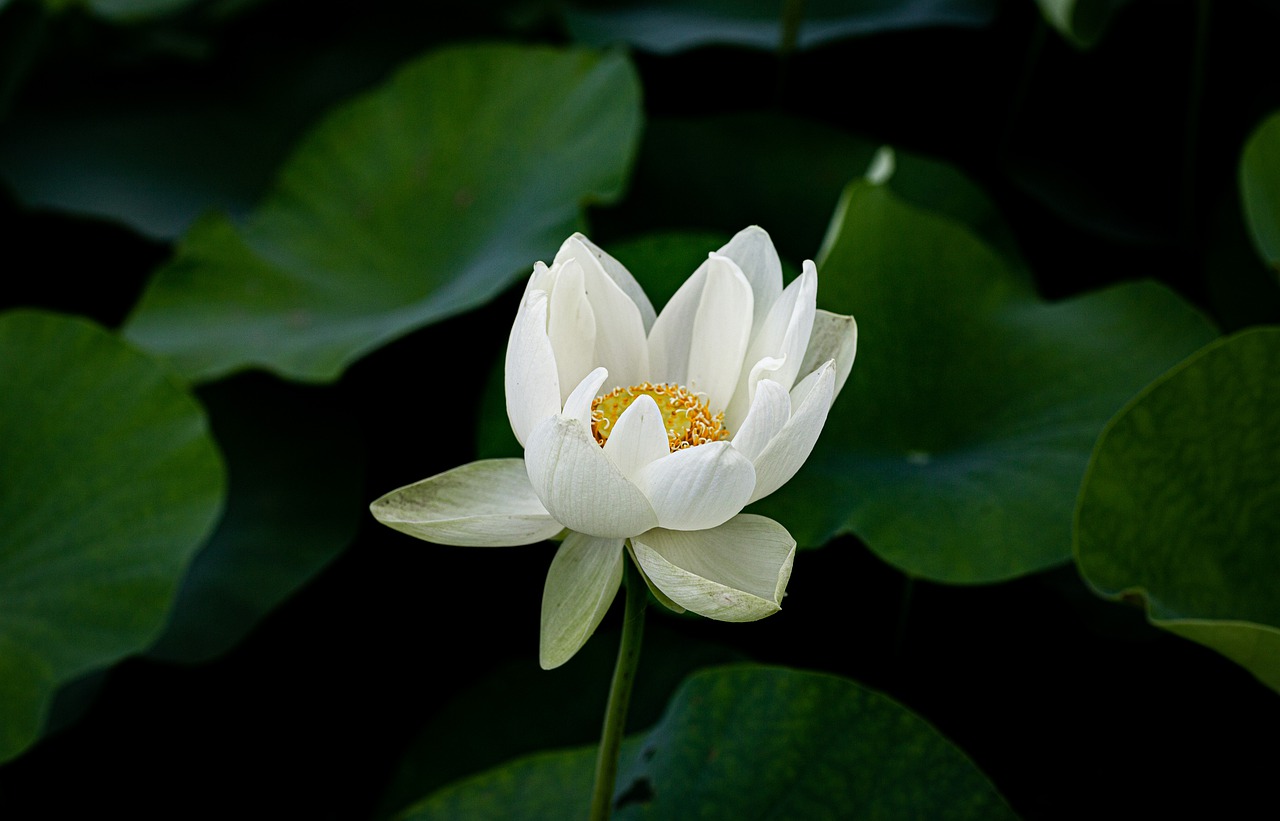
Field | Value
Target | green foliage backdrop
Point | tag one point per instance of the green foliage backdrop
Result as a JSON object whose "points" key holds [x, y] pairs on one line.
{"points": [[264, 256]]}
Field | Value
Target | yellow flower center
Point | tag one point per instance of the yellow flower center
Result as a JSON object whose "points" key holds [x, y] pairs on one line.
{"points": [[686, 417]]}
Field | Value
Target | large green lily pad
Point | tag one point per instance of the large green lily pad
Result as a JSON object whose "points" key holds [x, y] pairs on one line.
{"points": [[295, 501], [154, 165], [1260, 189], [123, 10], [110, 484], [957, 446], [668, 26], [412, 203], [749, 742], [519, 708], [786, 173], [1181, 502]]}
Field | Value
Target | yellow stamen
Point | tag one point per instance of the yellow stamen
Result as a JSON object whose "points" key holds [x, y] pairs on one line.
{"points": [[687, 418]]}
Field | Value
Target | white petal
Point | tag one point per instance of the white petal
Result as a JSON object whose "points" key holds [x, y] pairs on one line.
{"points": [[620, 332], [530, 379], [783, 456], [540, 279], [721, 331], [638, 437], [672, 332], [735, 572], [782, 339], [581, 584], [754, 253], [835, 336], [662, 598], [482, 504], [801, 391], [620, 275], [580, 486], [698, 487], [571, 325], [764, 368], [578, 405], [790, 323], [770, 411]]}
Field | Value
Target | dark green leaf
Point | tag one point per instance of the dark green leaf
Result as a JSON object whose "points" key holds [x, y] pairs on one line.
{"points": [[1242, 291], [1081, 22], [520, 708], [123, 10], [294, 503], [781, 172], [748, 742], [1181, 502], [958, 444], [1260, 189], [667, 26], [412, 203], [110, 484], [154, 165]]}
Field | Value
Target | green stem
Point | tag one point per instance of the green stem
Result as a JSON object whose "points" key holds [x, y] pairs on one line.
{"points": [[624, 675]]}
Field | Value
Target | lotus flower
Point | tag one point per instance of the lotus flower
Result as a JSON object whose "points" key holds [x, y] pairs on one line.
{"points": [[647, 434]]}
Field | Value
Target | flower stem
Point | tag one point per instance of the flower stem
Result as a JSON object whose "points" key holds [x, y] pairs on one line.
{"points": [[624, 675]]}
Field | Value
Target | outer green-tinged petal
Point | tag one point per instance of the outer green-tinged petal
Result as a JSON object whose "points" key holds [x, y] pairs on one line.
{"points": [[782, 457], [770, 412], [834, 337], [620, 343], [754, 253], [662, 598], [583, 579], [622, 278], [638, 437], [571, 326], [482, 504], [530, 378], [580, 486], [698, 487], [735, 572], [720, 333]]}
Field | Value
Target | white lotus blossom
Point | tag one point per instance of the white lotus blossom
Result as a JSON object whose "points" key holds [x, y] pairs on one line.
{"points": [[647, 434]]}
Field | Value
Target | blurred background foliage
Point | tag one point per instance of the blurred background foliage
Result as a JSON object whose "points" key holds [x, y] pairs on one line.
{"points": [[264, 256]]}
